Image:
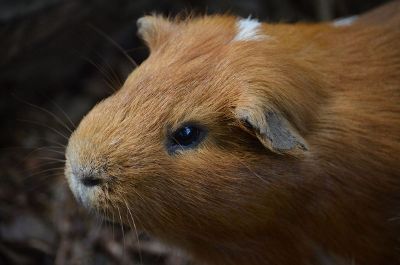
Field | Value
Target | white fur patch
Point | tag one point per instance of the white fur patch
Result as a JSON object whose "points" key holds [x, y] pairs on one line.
{"points": [[346, 21], [249, 29], [82, 194]]}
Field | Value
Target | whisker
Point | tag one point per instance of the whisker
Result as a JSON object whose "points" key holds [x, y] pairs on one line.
{"points": [[64, 113], [108, 38], [12, 148], [44, 171], [113, 76], [113, 220], [48, 127], [55, 151], [64, 146], [108, 81], [104, 73], [106, 200], [249, 169], [123, 233], [52, 159], [41, 176], [139, 195], [47, 163], [136, 233], [42, 181], [32, 152], [99, 221], [50, 147], [54, 116]]}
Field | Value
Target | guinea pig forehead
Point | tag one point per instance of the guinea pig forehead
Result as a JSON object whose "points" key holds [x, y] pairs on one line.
{"points": [[179, 117], [202, 111]]}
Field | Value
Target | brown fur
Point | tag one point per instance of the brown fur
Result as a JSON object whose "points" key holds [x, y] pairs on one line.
{"points": [[232, 200]]}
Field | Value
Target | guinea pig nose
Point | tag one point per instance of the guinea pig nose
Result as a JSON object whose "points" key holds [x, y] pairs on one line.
{"points": [[90, 181]]}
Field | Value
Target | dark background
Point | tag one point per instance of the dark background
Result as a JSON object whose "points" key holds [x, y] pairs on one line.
{"points": [[57, 59]]}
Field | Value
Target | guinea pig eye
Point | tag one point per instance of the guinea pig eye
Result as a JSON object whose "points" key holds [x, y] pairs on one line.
{"points": [[187, 136]]}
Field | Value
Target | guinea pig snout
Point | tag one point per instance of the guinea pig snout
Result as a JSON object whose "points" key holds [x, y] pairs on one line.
{"points": [[87, 176], [85, 182], [84, 168]]}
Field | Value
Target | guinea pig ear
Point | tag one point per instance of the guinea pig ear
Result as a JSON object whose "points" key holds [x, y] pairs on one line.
{"points": [[154, 30], [273, 130]]}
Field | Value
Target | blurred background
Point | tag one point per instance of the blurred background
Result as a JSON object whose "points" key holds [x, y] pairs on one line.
{"points": [[57, 59]]}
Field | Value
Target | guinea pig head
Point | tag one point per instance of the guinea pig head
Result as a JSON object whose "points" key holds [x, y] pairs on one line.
{"points": [[192, 144]]}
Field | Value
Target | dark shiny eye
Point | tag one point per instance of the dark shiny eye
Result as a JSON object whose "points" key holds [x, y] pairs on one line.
{"points": [[188, 136]]}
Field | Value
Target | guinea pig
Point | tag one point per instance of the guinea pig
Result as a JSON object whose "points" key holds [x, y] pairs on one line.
{"points": [[249, 143]]}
